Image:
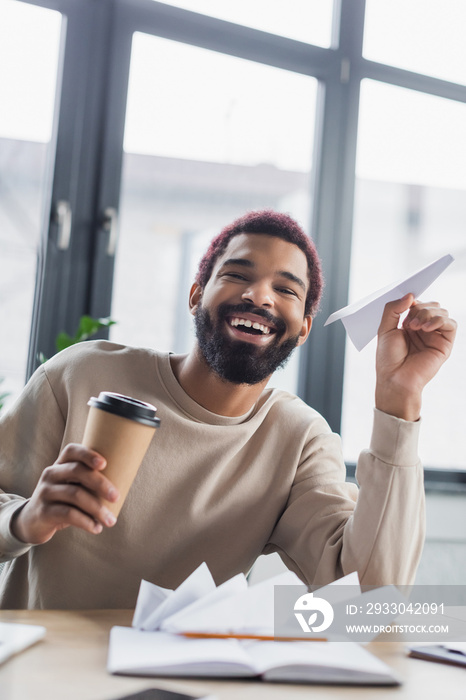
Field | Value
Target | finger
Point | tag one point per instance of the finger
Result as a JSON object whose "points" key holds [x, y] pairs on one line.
{"points": [[427, 304], [79, 453], [420, 315], [63, 515], [77, 497], [392, 312], [77, 473], [440, 323]]}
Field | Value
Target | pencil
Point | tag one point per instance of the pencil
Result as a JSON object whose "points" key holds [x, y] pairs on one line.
{"points": [[261, 637]]}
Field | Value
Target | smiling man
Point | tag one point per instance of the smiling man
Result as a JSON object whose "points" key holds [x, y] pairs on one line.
{"points": [[237, 469], [252, 304]]}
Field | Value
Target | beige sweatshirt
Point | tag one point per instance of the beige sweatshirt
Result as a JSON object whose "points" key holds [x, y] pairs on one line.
{"points": [[211, 488]]}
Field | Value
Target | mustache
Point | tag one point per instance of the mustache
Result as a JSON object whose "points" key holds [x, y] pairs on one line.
{"points": [[225, 310]]}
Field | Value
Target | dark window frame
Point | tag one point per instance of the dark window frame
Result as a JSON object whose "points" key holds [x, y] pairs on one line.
{"points": [[88, 156]]}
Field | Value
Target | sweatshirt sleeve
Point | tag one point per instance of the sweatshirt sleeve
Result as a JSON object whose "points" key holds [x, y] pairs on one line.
{"points": [[385, 537], [31, 434], [331, 528]]}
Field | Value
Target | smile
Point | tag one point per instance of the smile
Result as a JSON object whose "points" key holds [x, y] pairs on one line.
{"points": [[250, 328], [254, 327], [250, 323]]}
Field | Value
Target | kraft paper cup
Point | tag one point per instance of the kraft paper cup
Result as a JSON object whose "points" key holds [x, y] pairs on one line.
{"points": [[120, 428]]}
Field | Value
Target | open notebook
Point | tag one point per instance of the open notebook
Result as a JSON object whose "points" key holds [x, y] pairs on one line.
{"points": [[137, 652], [155, 644], [448, 652], [16, 637]]}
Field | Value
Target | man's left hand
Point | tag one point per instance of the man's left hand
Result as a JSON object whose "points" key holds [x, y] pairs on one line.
{"points": [[408, 357]]}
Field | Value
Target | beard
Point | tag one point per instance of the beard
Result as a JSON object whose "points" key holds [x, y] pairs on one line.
{"points": [[238, 361]]}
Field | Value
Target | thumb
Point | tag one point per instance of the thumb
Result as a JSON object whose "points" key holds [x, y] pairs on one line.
{"points": [[393, 311]]}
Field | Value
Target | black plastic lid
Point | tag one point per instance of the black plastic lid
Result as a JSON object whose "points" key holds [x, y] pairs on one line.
{"points": [[126, 407]]}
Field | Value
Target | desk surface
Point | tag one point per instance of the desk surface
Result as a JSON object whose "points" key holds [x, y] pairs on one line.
{"points": [[70, 664]]}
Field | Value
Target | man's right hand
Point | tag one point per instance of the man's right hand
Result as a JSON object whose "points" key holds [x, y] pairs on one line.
{"points": [[67, 494]]}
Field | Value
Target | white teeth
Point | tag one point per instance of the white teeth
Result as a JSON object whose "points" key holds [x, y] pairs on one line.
{"points": [[245, 322]]}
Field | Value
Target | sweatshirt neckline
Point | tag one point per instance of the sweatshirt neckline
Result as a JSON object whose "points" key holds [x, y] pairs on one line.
{"points": [[187, 404]]}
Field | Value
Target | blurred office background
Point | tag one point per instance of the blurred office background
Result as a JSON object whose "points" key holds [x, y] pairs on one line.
{"points": [[131, 131]]}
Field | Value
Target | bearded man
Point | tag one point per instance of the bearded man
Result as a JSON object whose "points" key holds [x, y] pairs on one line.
{"points": [[237, 469]]}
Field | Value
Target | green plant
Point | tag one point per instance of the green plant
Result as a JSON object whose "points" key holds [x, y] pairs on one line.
{"points": [[88, 327], [3, 394]]}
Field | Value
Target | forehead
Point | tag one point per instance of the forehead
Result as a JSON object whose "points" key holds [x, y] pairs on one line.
{"points": [[268, 252]]}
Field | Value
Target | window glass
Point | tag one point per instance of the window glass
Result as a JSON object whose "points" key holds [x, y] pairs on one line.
{"points": [[410, 209], [309, 21], [425, 36], [29, 51], [208, 137]]}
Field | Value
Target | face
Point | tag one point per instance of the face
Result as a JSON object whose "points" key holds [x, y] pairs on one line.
{"points": [[250, 315]]}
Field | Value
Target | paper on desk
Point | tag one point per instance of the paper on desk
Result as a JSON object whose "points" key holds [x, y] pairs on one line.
{"points": [[14, 637], [460, 647], [247, 610], [198, 605], [362, 318], [155, 603]]}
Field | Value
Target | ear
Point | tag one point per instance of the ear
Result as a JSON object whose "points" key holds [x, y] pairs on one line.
{"points": [[195, 296], [305, 329]]}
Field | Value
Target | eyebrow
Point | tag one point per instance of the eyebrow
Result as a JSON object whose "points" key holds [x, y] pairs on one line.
{"points": [[244, 262]]}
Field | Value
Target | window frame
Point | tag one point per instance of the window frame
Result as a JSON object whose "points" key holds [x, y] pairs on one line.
{"points": [[89, 152]]}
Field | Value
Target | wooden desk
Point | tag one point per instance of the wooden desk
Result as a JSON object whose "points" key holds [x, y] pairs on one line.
{"points": [[70, 664]]}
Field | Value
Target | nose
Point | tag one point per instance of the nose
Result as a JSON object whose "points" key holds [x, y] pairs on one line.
{"points": [[259, 294]]}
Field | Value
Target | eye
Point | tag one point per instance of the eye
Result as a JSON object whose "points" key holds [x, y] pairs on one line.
{"points": [[234, 275], [286, 290]]}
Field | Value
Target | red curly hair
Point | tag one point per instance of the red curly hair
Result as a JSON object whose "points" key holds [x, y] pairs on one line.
{"points": [[270, 223]]}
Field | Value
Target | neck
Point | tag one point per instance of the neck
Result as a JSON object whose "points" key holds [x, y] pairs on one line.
{"points": [[209, 390]]}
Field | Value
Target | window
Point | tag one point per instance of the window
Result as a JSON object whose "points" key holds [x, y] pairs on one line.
{"points": [[207, 138], [419, 35], [304, 20], [175, 122], [29, 59], [410, 209]]}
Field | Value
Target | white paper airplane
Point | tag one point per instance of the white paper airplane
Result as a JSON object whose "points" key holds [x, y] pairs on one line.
{"points": [[362, 319]]}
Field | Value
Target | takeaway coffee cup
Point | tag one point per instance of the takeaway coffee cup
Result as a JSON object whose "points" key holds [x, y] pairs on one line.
{"points": [[120, 428]]}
